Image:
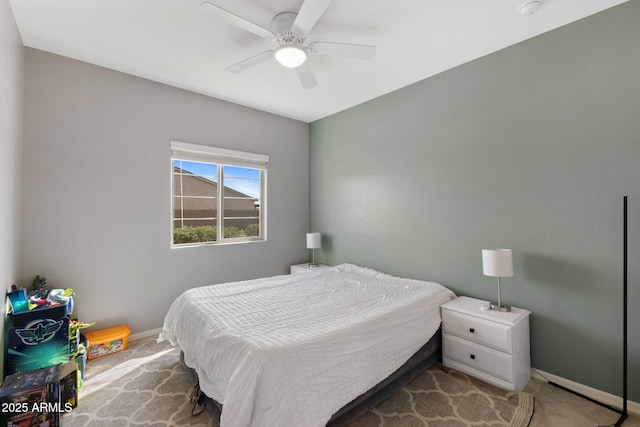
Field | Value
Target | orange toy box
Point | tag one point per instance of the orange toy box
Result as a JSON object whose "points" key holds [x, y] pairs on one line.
{"points": [[107, 341]]}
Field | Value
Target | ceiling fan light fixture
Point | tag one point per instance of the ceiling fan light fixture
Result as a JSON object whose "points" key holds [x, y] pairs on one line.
{"points": [[290, 56]]}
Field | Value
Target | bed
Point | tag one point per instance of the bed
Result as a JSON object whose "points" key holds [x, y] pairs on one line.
{"points": [[304, 349]]}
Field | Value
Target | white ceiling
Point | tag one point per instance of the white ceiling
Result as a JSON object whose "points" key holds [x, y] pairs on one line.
{"points": [[178, 43]]}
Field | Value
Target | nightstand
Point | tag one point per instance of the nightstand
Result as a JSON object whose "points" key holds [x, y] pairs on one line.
{"points": [[305, 268], [490, 345]]}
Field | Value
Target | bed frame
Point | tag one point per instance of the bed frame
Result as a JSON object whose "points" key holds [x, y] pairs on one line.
{"points": [[426, 356]]}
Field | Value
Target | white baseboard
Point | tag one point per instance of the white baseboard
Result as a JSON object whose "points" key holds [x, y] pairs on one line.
{"points": [[145, 334], [592, 393]]}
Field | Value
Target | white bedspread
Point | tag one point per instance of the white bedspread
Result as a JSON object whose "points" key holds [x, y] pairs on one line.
{"points": [[290, 351]]}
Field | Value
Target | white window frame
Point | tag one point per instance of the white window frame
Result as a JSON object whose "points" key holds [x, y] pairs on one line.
{"points": [[221, 157]]}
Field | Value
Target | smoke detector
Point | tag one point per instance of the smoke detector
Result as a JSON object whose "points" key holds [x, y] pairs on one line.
{"points": [[530, 7]]}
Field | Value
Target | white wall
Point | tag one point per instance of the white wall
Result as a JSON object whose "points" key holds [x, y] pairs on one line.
{"points": [[11, 79], [97, 181]]}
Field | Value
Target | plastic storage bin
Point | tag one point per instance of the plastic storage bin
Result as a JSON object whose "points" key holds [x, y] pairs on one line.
{"points": [[107, 341]]}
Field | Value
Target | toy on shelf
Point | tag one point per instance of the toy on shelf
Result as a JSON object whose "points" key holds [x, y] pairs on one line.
{"points": [[18, 300], [62, 297], [78, 347], [39, 297]]}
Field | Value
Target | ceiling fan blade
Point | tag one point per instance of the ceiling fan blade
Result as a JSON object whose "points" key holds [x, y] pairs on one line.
{"points": [[306, 76], [308, 15], [238, 21], [360, 51], [251, 61]]}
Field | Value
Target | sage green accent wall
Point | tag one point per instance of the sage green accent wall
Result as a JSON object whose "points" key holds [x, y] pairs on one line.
{"points": [[530, 148]]}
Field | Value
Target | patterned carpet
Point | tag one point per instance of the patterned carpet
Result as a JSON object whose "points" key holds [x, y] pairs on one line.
{"points": [[141, 386], [146, 386], [442, 397]]}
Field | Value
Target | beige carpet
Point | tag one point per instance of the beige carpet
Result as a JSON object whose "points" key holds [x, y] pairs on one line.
{"points": [[146, 386], [442, 397]]}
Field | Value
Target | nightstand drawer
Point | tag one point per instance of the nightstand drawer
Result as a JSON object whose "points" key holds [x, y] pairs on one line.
{"points": [[476, 356], [482, 331]]}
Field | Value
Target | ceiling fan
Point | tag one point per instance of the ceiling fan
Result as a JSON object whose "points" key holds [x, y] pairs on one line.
{"points": [[290, 30]]}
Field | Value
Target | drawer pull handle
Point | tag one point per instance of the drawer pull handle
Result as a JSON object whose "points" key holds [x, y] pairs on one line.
{"points": [[473, 357], [472, 330]]}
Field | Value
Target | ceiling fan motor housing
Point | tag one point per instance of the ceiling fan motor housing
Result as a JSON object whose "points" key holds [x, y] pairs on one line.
{"points": [[281, 26]]}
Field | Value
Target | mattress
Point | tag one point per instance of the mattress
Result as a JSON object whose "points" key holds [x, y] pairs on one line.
{"points": [[294, 349]]}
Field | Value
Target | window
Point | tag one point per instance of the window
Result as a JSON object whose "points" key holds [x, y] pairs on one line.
{"points": [[217, 195]]}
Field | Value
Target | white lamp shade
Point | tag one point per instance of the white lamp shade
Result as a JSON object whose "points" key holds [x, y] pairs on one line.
{"points": [[314, 240], [497, 262]]}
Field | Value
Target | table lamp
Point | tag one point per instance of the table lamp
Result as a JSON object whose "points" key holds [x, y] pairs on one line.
{"points": [[314, 241], [497, 263]]}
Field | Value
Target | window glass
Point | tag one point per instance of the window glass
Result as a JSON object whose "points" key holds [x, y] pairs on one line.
{"points": [[204, 211], [241, 202]]}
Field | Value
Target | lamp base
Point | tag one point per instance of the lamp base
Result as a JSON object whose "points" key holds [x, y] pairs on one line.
{"points": [[312, 265], [496, 307]]}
